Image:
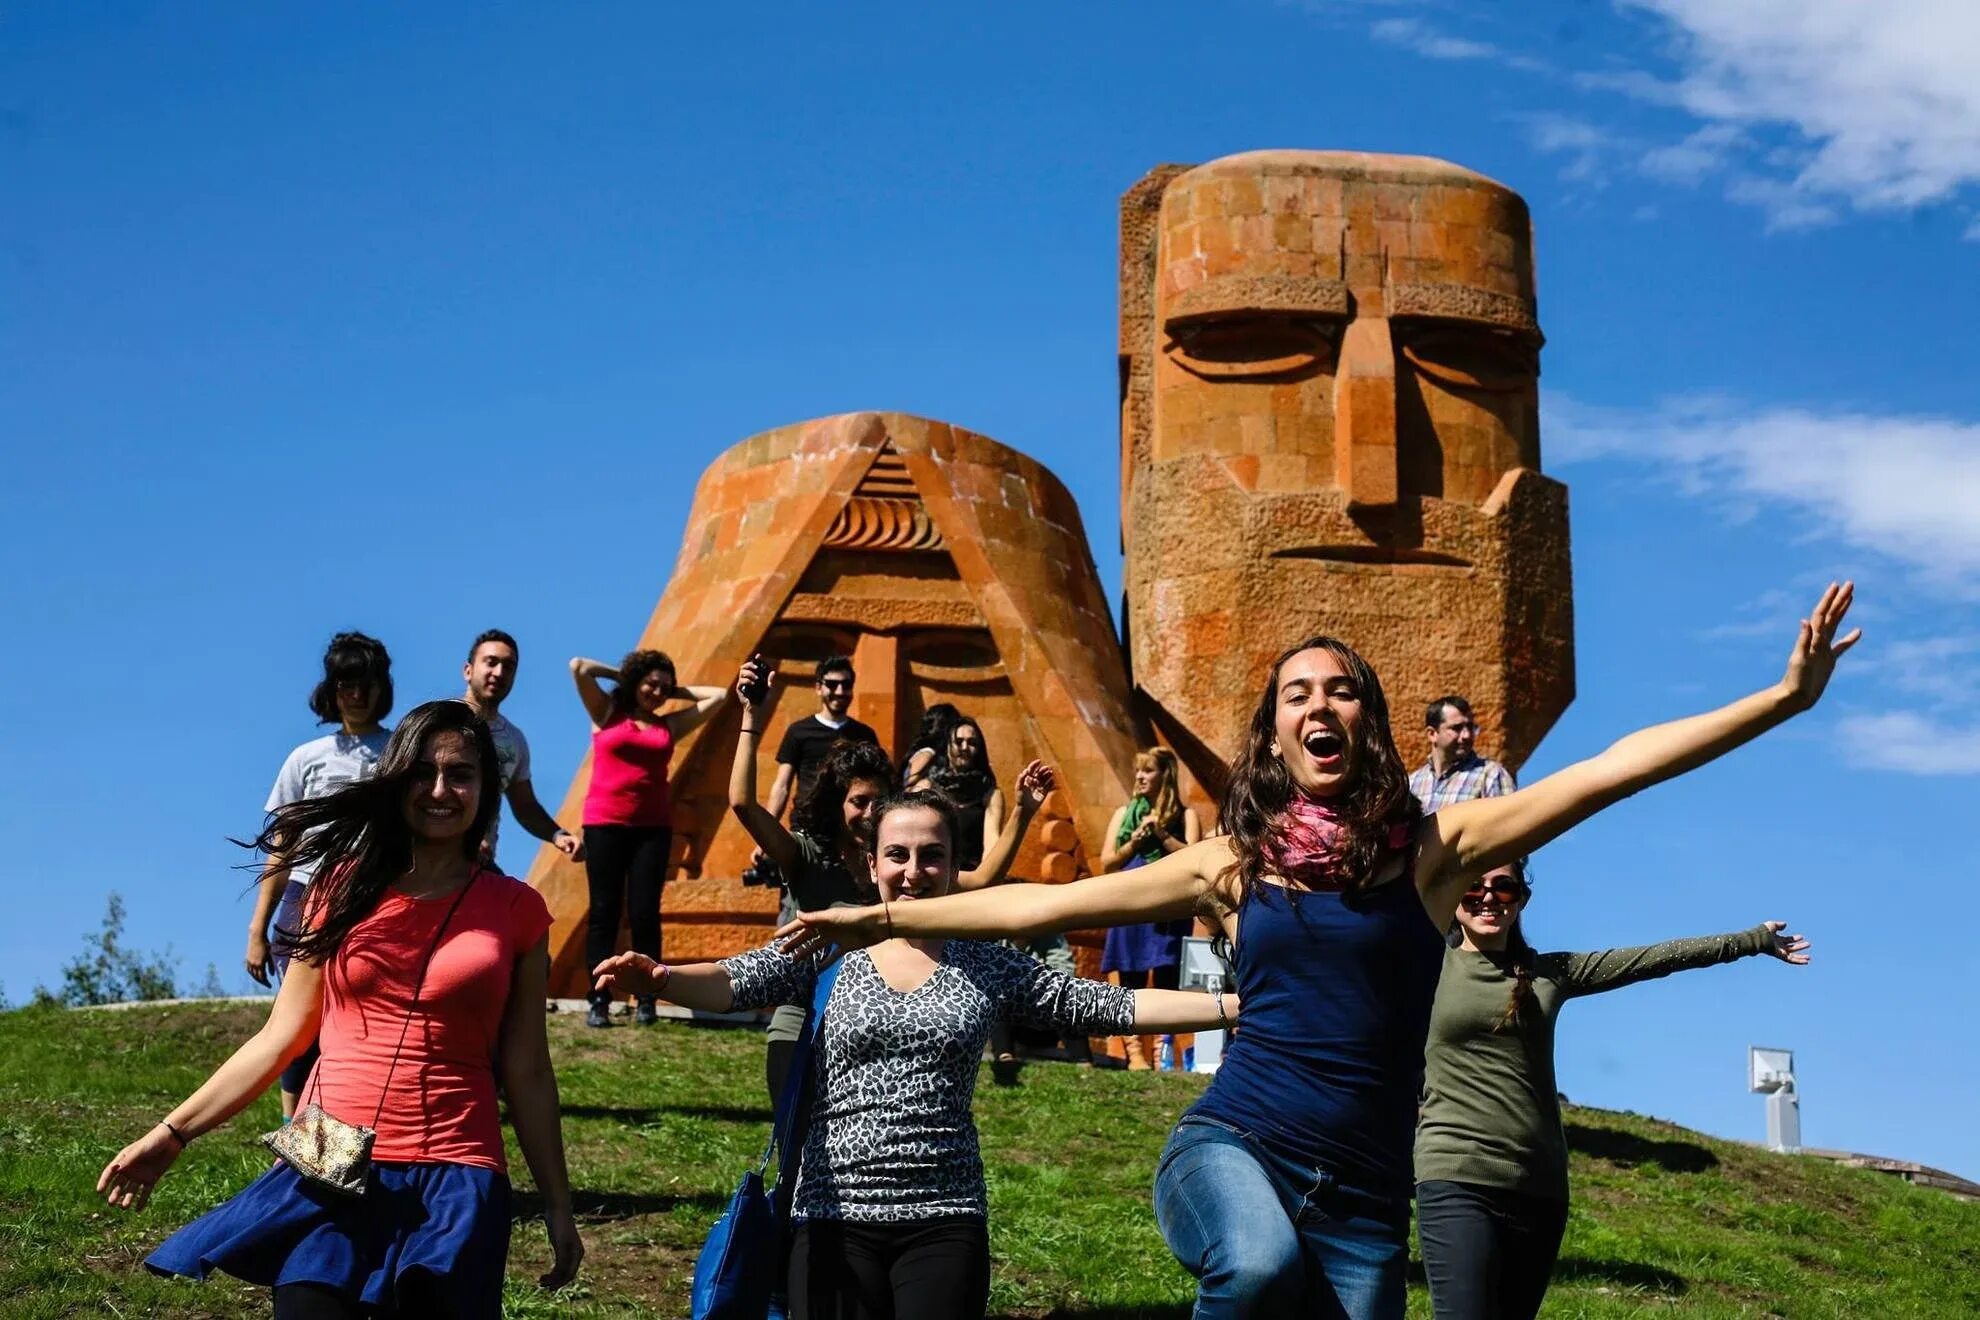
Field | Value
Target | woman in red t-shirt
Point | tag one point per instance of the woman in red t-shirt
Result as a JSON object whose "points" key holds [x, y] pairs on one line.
{"points": [[628, 810], [419, 968]]}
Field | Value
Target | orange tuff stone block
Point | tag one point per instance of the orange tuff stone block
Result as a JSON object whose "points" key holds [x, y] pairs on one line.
{"points": [[1355, 483], [956, 570]]}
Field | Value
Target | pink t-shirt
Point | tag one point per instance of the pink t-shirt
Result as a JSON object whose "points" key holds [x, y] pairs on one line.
{"points": [[441, 1106], [629, 775]]}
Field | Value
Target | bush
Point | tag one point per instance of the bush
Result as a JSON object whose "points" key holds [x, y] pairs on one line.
{"points": [[109, 973]]}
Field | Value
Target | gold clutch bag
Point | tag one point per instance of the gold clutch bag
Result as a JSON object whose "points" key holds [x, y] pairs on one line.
{"points": [[325, 1150]]}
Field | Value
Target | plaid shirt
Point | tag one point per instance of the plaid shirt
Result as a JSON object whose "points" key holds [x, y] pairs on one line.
{"points": [[1473, 777]]}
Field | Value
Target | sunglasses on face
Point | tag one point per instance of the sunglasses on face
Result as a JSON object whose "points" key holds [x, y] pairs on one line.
{"points": [[835, 685], [1506, 891]]}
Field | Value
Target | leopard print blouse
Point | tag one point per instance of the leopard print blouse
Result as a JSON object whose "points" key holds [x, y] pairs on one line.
{"points": [[891, 1136]]}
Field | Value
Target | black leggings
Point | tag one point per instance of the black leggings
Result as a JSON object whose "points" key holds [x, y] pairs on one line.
{"points": [[420, 1294], [625, 865], [1487, 1251], [937, 1269]]}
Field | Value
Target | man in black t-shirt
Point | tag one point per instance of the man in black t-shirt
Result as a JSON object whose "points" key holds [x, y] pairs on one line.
{"points": [[807, 741]]}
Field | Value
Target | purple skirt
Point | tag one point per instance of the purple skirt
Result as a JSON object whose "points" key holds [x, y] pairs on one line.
{"points": [[448, 1220], [1144, 946]]}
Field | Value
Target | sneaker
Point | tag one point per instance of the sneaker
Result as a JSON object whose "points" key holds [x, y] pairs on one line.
{"points": [[599, 1016], [646, 1014]]}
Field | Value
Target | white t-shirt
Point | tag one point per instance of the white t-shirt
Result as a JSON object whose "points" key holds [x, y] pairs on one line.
{"points": [[322, 766], [512, 753]]}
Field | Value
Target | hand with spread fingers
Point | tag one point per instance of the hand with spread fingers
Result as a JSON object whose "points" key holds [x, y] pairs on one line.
{"points": [[628, 974], [127, 1180], [834, 929], [1035, 784], [1788, 947], [1816, 649]]}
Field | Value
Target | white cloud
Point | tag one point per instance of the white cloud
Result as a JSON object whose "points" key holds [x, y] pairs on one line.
{"points": [[1425, 41], [1911, 743], [1886, 96], [1942, 669], [1904, 487], [1586, 145]]}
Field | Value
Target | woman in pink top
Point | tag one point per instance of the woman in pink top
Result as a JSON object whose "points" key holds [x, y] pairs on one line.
{"points": [[419, 968], [628, 811]]}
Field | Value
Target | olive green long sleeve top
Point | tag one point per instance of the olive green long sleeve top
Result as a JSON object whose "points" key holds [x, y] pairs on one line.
{"points": [[1491, 1110]]}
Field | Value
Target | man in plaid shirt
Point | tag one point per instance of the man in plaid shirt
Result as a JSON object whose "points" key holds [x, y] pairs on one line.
{"points": [[1455, 771]]}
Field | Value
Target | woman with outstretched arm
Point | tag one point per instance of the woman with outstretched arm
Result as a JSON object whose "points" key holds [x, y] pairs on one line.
{"points": [[890, 1207], [1491, 1155], [1287, 1185]]}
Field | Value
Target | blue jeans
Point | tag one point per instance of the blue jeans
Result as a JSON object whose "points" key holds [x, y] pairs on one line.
{"points": [[1267, 1237]]}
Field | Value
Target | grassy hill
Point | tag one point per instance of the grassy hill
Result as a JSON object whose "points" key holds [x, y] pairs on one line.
{"points": [[661, 1122]]}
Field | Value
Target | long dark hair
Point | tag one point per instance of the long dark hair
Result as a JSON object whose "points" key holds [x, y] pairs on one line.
{"points": [[353, 657], [971, 784], [1519, 956], [937, 723], [1372, 805], [632, 672], [819, 813], [356, 838]]}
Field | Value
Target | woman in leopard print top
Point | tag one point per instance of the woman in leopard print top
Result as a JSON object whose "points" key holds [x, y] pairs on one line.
{"points": [[890, 1208]]}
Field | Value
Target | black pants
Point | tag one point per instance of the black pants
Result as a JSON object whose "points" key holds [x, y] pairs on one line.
{"points": [[1488, 1252], [937, 1269], [625, 866], [420, 1294]]}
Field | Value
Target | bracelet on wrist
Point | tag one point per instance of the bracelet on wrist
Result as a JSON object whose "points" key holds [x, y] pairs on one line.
{"points": [[666, 975], [178, 1136]]}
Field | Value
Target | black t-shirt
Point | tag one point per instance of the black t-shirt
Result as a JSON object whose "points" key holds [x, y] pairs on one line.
{"points": [[807, 742]]}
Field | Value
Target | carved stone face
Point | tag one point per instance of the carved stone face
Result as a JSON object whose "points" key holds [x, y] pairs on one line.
{"points": [[1330, 425], [1370, 326]]}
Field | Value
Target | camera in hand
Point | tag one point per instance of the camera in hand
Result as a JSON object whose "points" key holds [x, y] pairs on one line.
{"points": [[763, 872], [756, 690]]}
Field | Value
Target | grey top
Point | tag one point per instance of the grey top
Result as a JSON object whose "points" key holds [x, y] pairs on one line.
{"points": [[1491, 1111], [891, 1136]]}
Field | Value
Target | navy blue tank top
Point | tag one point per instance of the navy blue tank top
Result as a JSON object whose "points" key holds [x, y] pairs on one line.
{"points": [[1327, 1064]]}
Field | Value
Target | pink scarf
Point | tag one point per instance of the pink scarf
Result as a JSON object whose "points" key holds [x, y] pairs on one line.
{"points": [[1305, 848]]}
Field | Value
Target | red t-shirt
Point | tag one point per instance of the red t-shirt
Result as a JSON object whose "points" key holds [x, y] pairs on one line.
{"points": [[441, 1106], [629, 763]]}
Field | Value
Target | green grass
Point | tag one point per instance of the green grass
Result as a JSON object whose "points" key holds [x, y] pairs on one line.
{"points": [[660, 1123]]}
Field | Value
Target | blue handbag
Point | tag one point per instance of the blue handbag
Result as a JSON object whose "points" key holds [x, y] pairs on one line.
{"points": [[740, 1272]]}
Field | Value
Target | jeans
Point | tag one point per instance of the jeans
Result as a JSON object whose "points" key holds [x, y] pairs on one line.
{"points": [[1267, 1237], [1488, 1251]]}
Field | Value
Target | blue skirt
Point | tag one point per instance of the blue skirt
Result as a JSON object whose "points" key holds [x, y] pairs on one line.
{"points": [[1144, 946], [449, 1220]]}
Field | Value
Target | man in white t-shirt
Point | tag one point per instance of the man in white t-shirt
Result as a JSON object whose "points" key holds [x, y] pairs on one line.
{"points": [[490, 672]]}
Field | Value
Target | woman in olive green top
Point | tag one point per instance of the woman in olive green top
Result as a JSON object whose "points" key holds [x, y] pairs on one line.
{"points": [[1491, 1158]]}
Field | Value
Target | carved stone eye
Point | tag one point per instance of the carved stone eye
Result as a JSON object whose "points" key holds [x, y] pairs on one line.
{"points": [[1470, 358], [1257, 345]]}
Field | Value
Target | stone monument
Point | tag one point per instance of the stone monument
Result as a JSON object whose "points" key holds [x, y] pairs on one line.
{"points": [[1330, 424], [950, 568]]}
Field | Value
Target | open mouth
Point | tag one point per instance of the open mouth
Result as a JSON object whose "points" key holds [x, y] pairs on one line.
{"points": [[1324, 745]]}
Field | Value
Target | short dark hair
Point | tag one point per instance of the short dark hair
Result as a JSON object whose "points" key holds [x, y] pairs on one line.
{"points": [[836, 664], [353, 657], [494, 635], [632, 672], [1433, 714], [921, 799]]}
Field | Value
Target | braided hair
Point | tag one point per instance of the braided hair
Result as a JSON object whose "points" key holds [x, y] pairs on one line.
{"points": [[1522, 956]]}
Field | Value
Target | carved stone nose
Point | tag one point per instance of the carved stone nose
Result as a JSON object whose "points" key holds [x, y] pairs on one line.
{"points": [[1365, 413]]}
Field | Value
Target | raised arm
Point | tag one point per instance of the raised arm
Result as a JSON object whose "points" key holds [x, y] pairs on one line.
{"points": [[1033, 785], [1612, 969], [292, 1024], [707, 700], [530, 1085], [1475, 836], [1177, 886], [763, 826], [597, 701]]}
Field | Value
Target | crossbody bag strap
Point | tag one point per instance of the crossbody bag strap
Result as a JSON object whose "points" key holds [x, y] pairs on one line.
{"points": [[419, 987], [787, 1132]]}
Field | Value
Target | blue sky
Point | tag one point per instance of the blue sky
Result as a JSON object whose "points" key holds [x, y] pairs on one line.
{"points": [[425, 319]]}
